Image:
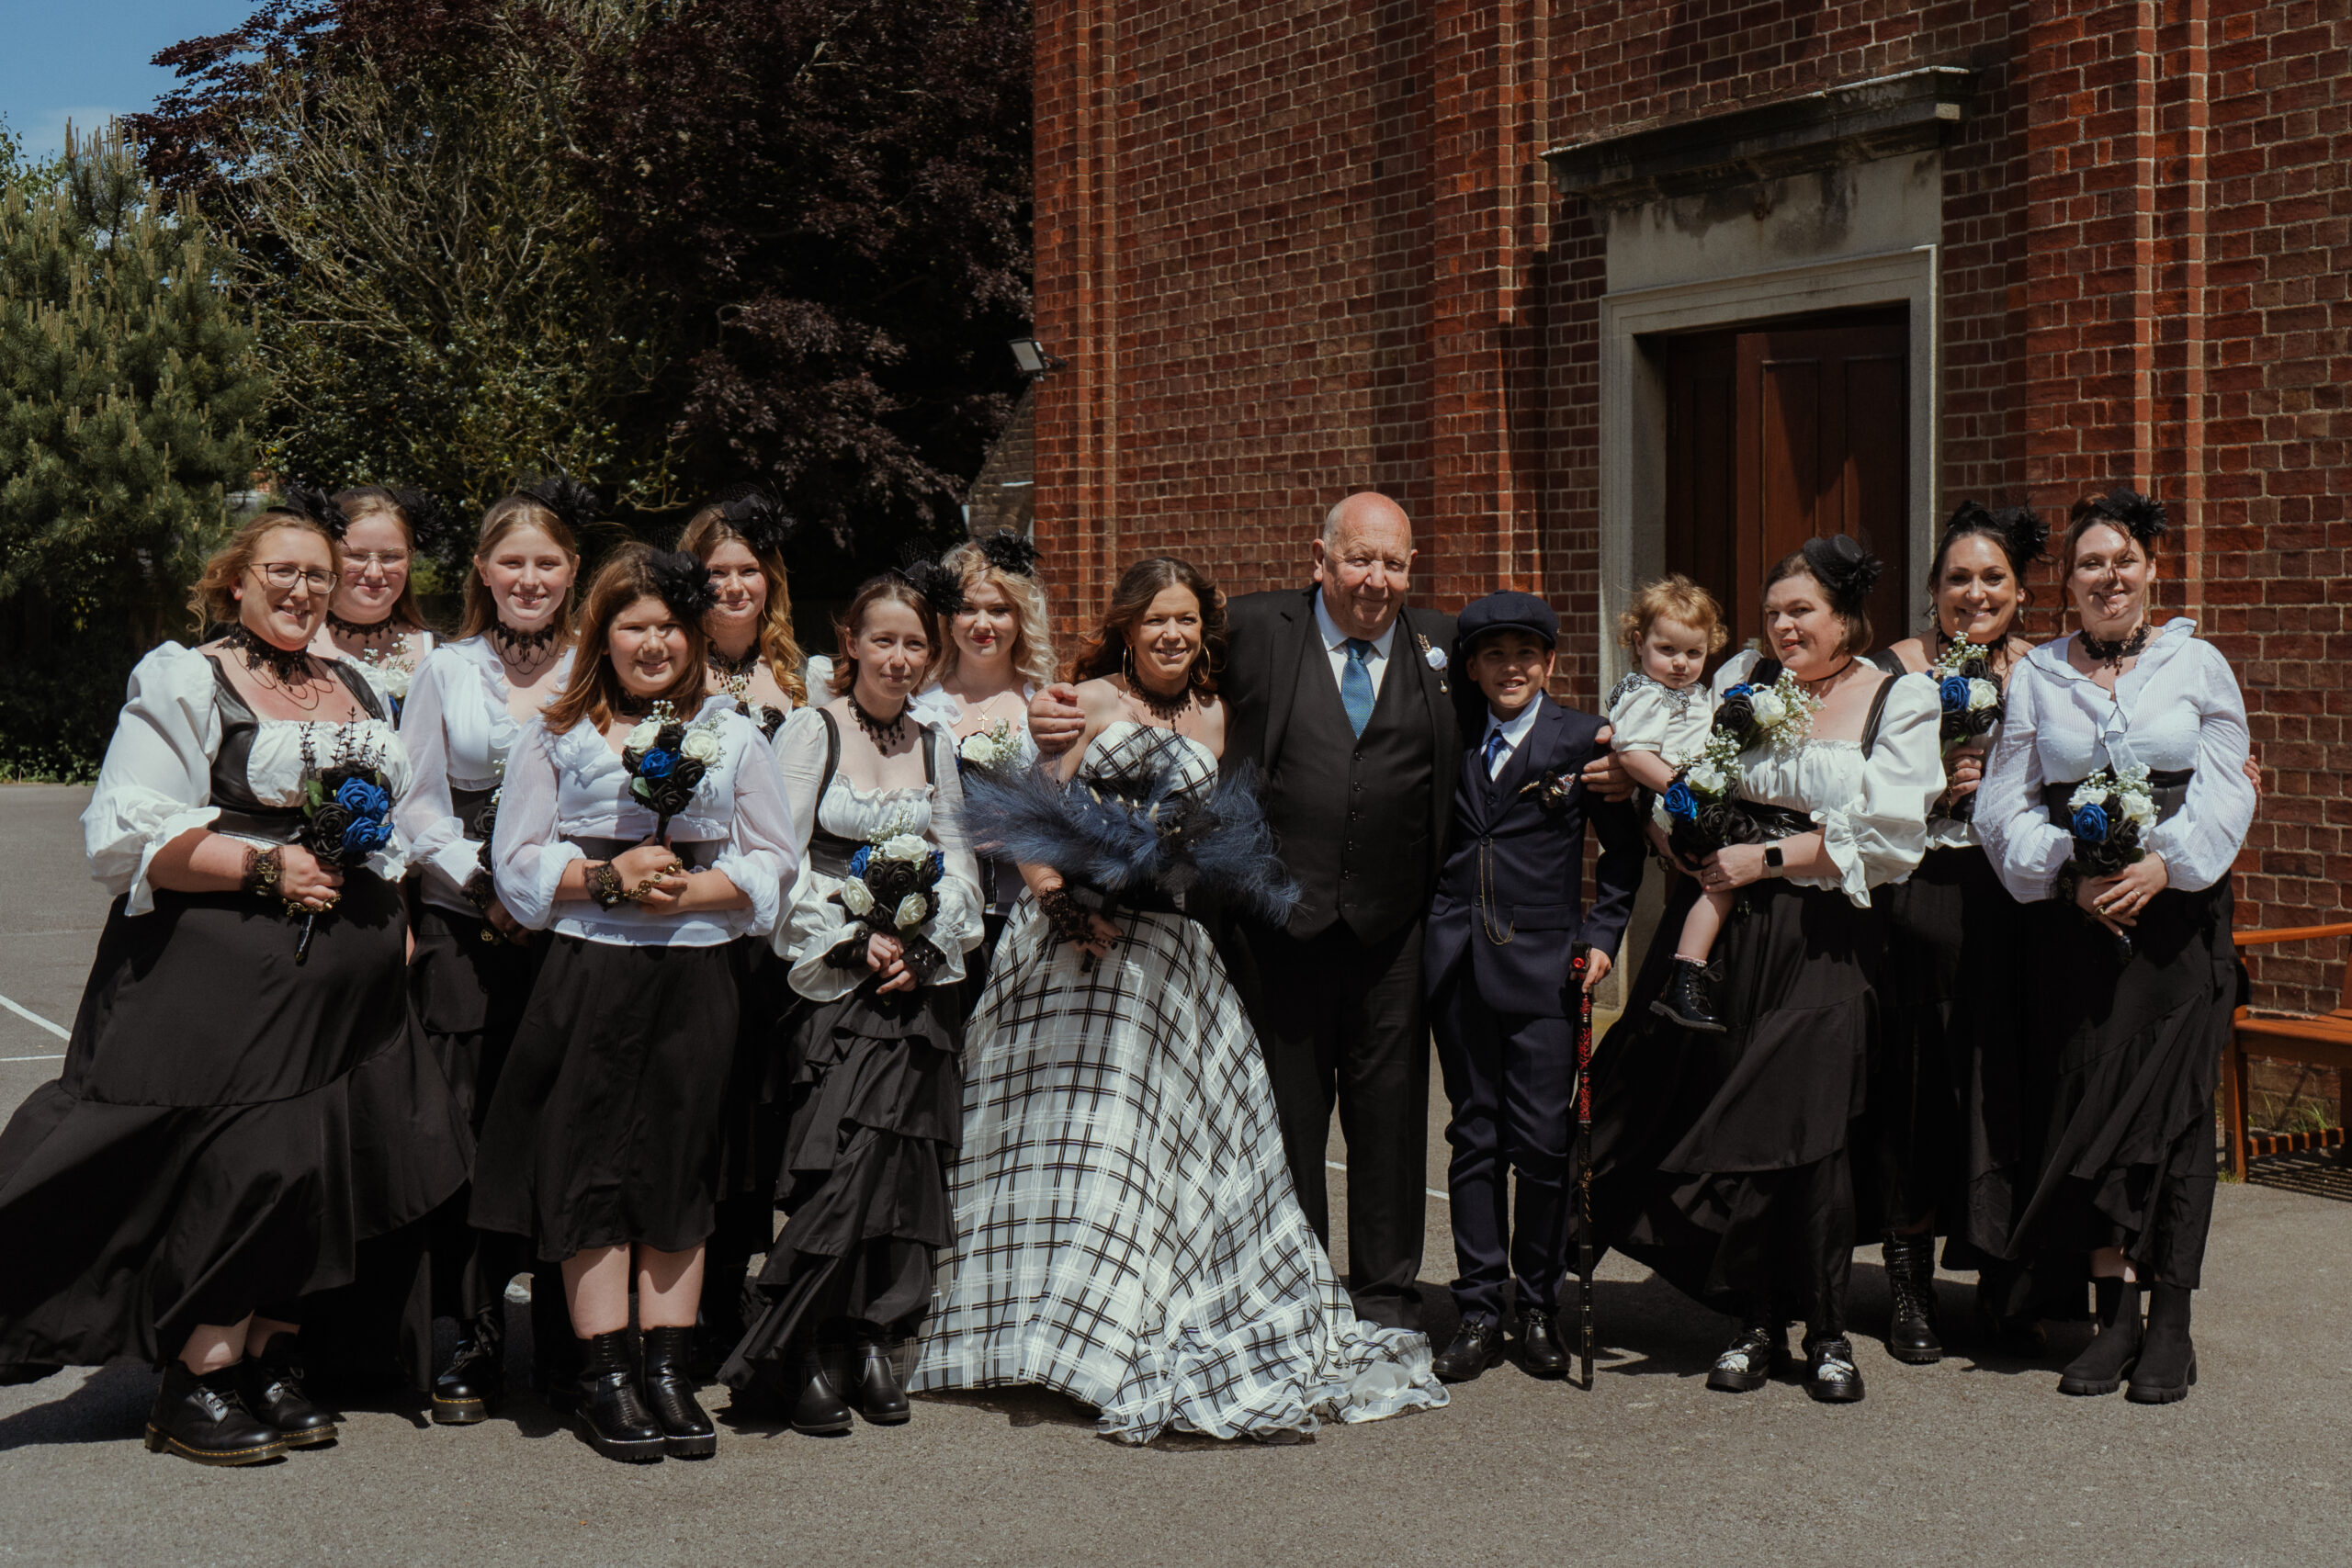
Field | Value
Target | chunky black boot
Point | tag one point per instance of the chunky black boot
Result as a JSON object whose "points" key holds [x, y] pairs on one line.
{"points": [[1911, 1335], [2167, 1364], [1689, 998], [1747, 1362], [205, 1418], [271, 1384], [880, 1399], [610, 1415], [2107, 1359], [1830, 1375], [817, 1410], [465, 1393], [686, 1432]]}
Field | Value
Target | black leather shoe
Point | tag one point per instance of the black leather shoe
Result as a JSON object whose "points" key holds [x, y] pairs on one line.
{"points": [[1830, 1375], [467, 1391], [610, 1415], [686, 1431], [2166, 1369], [1747, 1362], [1540, 1350], [817, 1410], [2109, 1358], [1476, 1345], [271, 1385], [1911, 1335], [205, 1419], [880, 1399], [1689, 998]]}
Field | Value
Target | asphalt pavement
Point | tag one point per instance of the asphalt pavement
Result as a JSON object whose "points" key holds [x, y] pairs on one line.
{"points": [[1974, 1460]]}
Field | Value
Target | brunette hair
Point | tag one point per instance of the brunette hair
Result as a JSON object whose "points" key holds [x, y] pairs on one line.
{"points": [[1673, 598], [520, 510], [1848, 608], [891, 589], [593, 690], [2128, 512], [1032, 642], [368, 501], [1106, 652], [214, 599], [779, 649], [2017, 532]]}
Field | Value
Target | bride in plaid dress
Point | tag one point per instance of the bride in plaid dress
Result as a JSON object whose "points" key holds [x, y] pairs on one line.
{"points": [[1125, 1228]]}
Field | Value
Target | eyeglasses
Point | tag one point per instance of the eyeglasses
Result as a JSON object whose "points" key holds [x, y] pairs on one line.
{"points": [[282, 575], [360, 560]]}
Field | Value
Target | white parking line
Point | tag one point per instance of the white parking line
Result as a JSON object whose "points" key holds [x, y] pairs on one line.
{"points": [[31, 1017], [58, 1058], [1432, 1191]]}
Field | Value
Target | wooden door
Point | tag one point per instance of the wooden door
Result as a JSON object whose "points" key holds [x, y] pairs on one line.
{"points": [[1776, 435]]}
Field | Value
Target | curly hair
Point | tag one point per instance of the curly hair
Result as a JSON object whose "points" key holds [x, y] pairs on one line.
{"points": [[1033, 638], [1105, 652], [779, 649], [593, 690], [1673, 598], [213, 600], [889, 588]]}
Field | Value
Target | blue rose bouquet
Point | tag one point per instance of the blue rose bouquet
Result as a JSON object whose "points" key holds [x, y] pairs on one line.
{"points": [[1972, 704], [666, 760], [2109, 812], [1702, 810], [346, 816]]}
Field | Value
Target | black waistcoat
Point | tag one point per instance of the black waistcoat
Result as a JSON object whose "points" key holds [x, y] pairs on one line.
{"points": [[1351, 813]]}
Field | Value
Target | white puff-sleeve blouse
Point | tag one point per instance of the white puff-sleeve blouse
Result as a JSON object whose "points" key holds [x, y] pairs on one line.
{"points": [[563, 788], [458, 731], [817, 922], [1871, 810], [156, 782], [2177, 708], [1646, 715]]}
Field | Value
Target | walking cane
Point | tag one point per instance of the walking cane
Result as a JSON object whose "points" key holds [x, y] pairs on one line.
{"points": [[1584, 1160]]}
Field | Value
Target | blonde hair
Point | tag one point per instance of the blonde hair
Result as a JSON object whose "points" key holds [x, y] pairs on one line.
{"points": [[779, 649], [213, 600], [503, 518], [1673, 598], [1033, 640]]}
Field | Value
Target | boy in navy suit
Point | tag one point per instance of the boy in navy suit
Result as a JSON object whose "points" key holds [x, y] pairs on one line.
{"points": [[1503, 931]]}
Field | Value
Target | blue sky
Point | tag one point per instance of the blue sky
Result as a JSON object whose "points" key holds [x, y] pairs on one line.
{"points": [[87, 58]]}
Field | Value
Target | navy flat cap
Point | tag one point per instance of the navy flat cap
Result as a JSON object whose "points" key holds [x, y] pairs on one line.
{"points": [[1508, 611]]}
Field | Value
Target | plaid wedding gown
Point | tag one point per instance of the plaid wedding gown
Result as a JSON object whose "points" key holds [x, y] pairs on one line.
{"points": [[1125, 1228]]}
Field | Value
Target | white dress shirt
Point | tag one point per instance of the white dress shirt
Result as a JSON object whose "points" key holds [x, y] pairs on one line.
{"points": [[1335, 643], [1513, 733]]}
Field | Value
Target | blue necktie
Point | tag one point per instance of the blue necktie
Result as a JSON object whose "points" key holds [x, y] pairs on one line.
{"points": [[1496, 746], [1355, 685]]}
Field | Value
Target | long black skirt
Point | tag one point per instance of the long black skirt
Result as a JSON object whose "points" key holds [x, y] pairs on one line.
{"points": [[879, 1104], [2122, 1053], [605, 1127], [1943, 1107], [228, 1129], [1722, 1160], [752, 1133]]}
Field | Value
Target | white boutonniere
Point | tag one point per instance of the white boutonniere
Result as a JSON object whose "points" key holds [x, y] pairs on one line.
{"points": [[1434, 658]]}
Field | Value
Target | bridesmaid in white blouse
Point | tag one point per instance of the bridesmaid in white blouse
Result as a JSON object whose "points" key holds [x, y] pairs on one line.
{"points": [[374, 619], [2116, 801]]}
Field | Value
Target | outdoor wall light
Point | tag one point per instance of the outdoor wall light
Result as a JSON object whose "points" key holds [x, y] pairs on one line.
{"points": [[1031, 355]]}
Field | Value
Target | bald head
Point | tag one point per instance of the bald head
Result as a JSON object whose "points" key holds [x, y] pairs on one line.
{"points": [[1364, 562]]}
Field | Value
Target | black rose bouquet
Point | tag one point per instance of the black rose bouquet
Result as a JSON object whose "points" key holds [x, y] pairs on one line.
{"points": [[1703, 809], [1972, 706], [2110, 812], [346, 816], [667, 758], [892, 890]]}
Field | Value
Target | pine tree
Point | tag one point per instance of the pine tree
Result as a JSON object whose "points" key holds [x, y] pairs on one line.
{"points": [[127, 381]]}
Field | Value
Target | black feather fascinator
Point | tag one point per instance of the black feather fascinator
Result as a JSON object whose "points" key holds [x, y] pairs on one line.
{"points": [[760, 520], [2141, 516], [683, 584], [577, 504], [1845, 570], [940, 588], [1010, 552], [317, 504], [2019, 530]]}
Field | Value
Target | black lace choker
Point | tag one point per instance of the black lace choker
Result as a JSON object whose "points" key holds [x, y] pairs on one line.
{"points": [[881, 731], [517, 645], [1167, 710], [287, 666], [354, 629], [735, 668], [2116, 652]]}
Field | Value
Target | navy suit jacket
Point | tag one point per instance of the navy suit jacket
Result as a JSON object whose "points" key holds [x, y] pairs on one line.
{"points": [[1513, 870]]}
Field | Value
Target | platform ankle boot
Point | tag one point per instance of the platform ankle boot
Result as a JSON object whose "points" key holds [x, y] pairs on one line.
{"points": [[610, 1415], [686, 1431], [467, 1391], [880, 1399], [2167, 1364], [271, 1384], [2107, 1359], [1689, 998], [205, 1419], [1911, 1333]]}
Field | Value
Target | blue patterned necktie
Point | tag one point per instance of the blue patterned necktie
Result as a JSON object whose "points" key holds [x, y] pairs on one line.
{"points": [[1355, 685], [1496, 746]]}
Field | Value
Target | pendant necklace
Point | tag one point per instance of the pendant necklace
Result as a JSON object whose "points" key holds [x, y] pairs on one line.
{"points": [[285, 668], [1168, 710], [884, 732]]}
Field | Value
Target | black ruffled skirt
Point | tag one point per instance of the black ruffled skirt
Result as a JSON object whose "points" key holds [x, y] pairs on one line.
{"points": [[879, 1104], [2122, 1057], [604, 1128], [230, 1128], [1722, 1160]]}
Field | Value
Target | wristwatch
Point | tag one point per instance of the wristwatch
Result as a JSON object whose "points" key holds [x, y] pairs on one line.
{"points": [[1772, 857]]}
